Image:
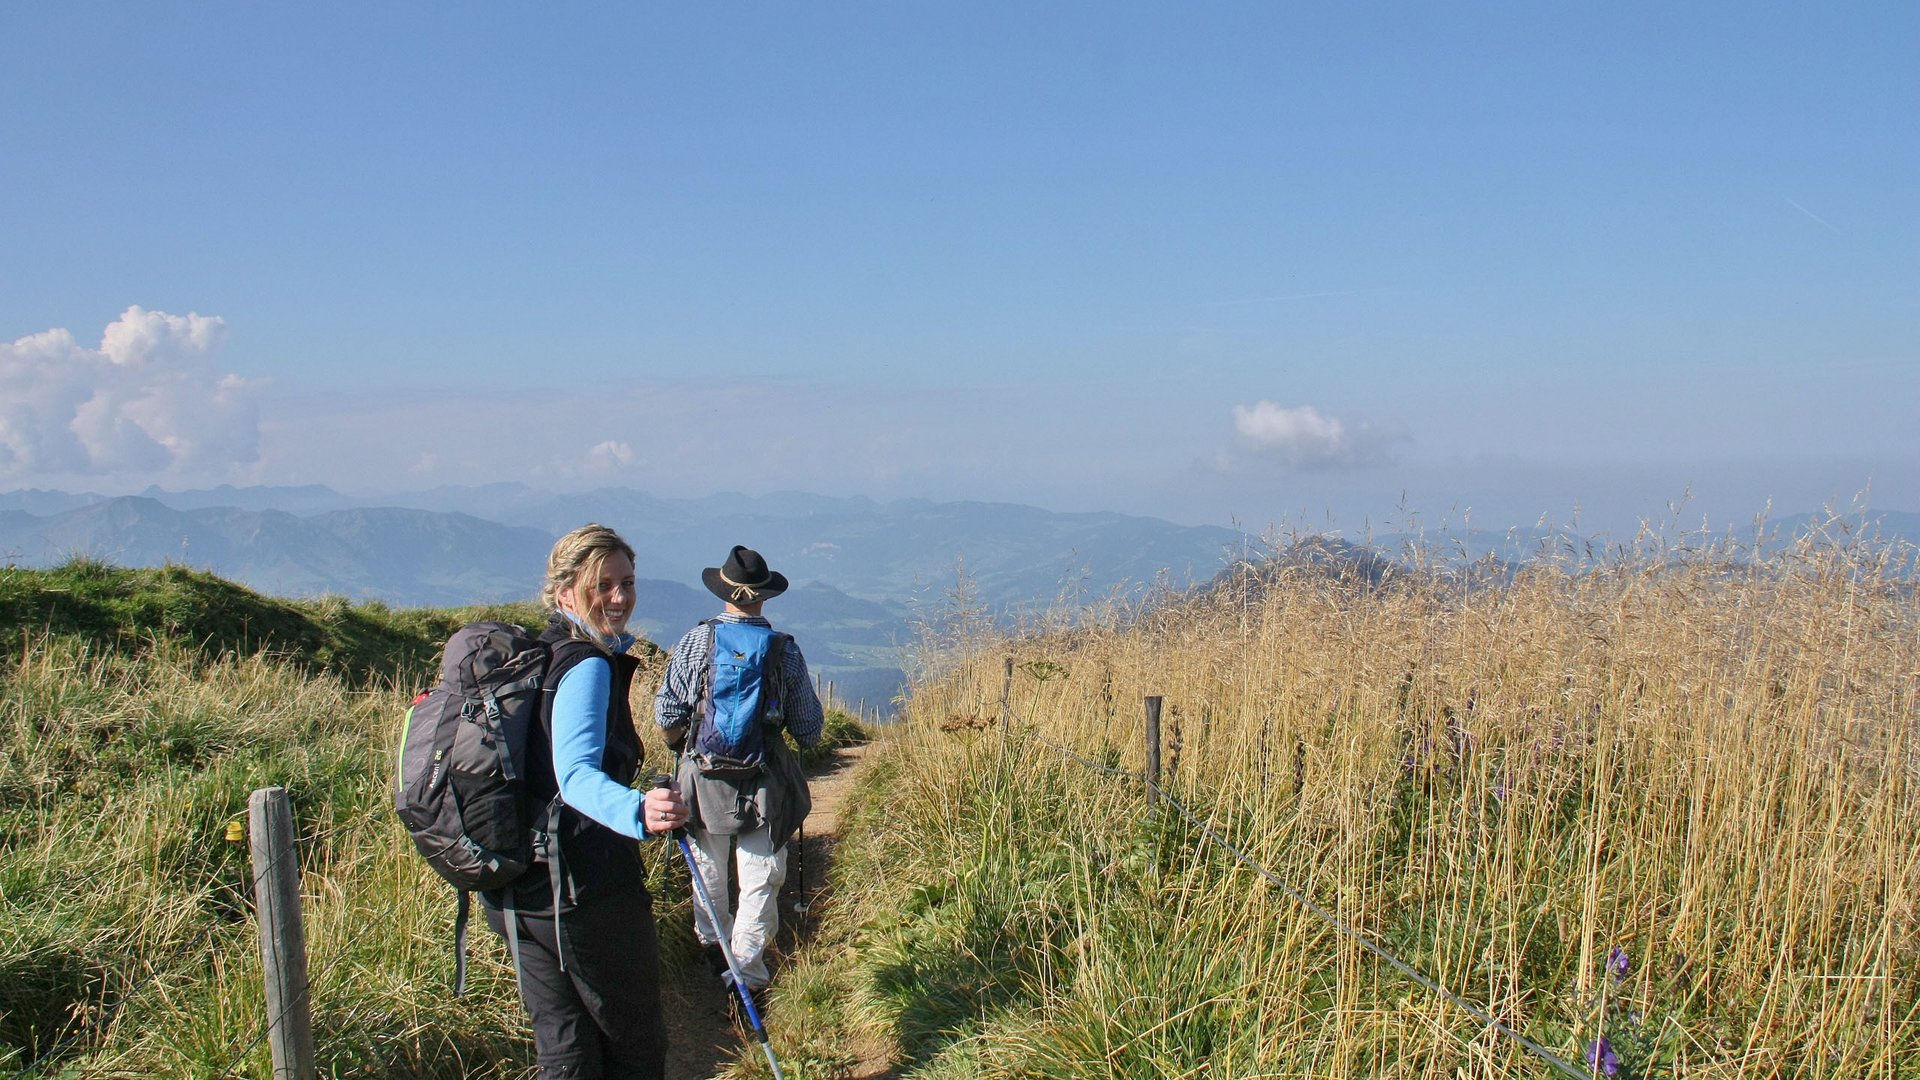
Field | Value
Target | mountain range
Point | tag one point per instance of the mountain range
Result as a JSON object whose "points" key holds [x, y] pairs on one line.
{"points": [[866, 575]]}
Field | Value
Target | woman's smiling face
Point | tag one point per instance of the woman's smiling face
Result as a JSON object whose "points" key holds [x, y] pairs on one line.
{"points": [[603, 598]]}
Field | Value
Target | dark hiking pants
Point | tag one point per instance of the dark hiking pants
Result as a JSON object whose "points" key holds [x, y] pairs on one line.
{"points": [[599, 1019]]}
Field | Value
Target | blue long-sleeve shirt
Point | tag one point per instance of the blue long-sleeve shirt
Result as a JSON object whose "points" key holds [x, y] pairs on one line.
{"points": [[580, 745]]}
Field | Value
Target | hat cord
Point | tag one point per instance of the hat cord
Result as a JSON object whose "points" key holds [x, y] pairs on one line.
{"points": [[740, 592]]}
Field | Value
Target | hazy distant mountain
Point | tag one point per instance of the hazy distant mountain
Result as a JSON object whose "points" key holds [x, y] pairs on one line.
{"points": [[405, 557], [905, 550], [899, 552], [1526, 545], [1472, 545], [862, 571], [1894, 525], [37, 501], [664, 610], [305, 499], [855, 644]]}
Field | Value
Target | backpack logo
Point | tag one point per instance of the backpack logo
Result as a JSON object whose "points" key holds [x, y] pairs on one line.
{"points": [[741, 699], [459, 786]]}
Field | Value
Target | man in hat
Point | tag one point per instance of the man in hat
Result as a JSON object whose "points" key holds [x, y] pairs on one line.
{"points": [[732, 685]]}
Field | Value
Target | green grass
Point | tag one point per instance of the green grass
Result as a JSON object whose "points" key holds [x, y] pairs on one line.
{"points": [[130, 609], [138, 712], [840, 730]]}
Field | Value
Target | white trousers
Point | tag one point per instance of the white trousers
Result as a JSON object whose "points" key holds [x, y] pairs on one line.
{"points": [[762, 872]]}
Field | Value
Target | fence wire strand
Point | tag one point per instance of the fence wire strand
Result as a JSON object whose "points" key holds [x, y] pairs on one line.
{"points": [[1338, 924]]}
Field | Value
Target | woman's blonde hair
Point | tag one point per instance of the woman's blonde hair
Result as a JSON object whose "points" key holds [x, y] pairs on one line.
{"points": [[579, 555]]}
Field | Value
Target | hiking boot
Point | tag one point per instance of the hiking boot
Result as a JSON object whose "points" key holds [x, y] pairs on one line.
{"points": [[716, 960]]}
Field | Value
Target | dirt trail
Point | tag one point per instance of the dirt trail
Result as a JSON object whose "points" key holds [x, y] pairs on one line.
{"points": [[701, 1040]]}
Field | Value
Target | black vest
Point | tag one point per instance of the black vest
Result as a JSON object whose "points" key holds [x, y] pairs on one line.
{"points": [[595, 860]]}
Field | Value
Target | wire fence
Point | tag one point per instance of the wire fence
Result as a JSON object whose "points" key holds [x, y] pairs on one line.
{"points": [[1335, 922]]}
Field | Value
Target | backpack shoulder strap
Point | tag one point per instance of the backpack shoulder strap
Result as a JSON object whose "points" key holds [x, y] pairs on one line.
{"points": [[773, 673], [703, 682]]}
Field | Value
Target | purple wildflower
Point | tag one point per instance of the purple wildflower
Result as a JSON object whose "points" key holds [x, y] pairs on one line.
{"points": [[1600, 1055], [1617, 962]]}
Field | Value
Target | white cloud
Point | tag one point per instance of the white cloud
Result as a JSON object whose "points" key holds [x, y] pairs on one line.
{"points": [[1302, 430], [1303, 437], [142, 338], [609, 456], [149, 401], [611, 460]]}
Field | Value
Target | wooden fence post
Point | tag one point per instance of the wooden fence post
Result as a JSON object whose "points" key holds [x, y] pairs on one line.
{"points": [[283, 941], [1153, 751]]}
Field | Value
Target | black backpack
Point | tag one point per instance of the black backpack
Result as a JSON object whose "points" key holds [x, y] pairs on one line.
{"points": [[460, 786]]}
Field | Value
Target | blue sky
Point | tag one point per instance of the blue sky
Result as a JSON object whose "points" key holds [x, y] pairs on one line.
{"points": [[1328, 264]]}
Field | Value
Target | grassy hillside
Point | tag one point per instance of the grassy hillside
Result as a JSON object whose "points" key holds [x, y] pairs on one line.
{"points": [[1658, 814], [124, 610], [138, 711]]}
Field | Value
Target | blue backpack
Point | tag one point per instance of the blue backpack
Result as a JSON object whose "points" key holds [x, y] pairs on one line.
{"points": [[741, 699]]}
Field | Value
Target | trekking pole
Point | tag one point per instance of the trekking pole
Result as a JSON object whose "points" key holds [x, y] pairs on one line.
{"points": [[801, 905], [705, 903]]}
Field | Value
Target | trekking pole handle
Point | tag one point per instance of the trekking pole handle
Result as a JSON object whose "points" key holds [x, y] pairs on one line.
{"points": [[663, 782]]}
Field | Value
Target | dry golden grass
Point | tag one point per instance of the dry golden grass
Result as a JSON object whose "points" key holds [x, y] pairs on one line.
{"points": [[1701, 767]]}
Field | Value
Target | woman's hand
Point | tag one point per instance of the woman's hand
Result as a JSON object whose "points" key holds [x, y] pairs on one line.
{"points": [[662, 811]]}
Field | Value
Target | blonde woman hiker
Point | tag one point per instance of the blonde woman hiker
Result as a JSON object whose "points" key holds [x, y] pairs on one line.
{"points": [[580, 921], [732, 686]]}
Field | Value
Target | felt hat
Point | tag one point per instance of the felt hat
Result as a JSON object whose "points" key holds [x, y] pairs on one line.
{"points": [[743, 578]]}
